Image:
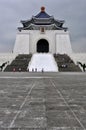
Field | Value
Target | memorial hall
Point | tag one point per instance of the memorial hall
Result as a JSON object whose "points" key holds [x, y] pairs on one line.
{"points": [[42, 33]]}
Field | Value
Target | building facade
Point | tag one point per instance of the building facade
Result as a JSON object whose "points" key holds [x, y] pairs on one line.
{"points": [[42, 34]]}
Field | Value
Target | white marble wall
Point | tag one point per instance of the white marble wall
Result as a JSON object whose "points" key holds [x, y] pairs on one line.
{"points": [[26, 41], [22, 43], [63, 44]]}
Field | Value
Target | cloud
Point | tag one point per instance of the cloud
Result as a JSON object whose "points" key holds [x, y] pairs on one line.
{"points": [[79, 45]]}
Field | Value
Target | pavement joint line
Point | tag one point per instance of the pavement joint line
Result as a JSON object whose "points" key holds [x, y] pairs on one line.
{"points": [[68, 105], [7, 77], [18, 112]]}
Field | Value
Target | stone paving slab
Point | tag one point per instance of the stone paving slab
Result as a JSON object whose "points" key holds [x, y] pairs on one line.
{"points": [[42, 101]]}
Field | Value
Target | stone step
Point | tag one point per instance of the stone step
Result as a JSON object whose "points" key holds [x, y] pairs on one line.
{"points": [[66, 64], [20, 63]]}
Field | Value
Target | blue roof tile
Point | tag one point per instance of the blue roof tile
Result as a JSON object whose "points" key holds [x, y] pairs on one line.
{"points": [[42, 15]]}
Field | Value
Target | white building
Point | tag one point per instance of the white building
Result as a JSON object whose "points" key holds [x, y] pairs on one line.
{"points": [[42, 33]]}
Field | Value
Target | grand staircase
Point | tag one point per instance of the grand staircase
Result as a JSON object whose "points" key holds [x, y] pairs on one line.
{"points": [[66, 64], [20, 63]]}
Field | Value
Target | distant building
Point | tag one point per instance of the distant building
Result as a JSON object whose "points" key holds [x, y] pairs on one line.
{"points": [[42, 33]]}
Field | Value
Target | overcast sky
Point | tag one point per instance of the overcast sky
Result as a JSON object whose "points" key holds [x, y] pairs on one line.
{"points": [[72, 11]]}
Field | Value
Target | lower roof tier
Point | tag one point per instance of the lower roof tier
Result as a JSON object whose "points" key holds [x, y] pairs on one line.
{"points": [[46, 27]]}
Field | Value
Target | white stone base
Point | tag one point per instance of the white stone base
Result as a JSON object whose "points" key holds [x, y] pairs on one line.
{"points": [[4, 57]]}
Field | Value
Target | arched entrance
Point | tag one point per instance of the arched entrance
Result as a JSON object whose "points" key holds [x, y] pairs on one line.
{"points": [[42, 46]]}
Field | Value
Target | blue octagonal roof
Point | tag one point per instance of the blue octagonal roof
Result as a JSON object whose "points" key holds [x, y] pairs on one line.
{"points": [[42, 14]]}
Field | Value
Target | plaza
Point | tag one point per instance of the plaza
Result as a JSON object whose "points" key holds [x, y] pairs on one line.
{"points": [[42, 101]]}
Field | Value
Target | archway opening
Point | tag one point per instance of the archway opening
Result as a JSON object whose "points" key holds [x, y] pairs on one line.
{"points": [[42, 46]]}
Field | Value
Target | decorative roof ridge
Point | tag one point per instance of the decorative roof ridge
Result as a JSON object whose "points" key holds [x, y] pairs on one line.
{"points": [[61, 28], [51, 17], [33, 25], [24, 21], [39, 25], [47, 25], [27, 26], [61, 21]]}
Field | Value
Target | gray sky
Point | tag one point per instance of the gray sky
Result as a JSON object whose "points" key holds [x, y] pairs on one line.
{"points": [[72, 11]]}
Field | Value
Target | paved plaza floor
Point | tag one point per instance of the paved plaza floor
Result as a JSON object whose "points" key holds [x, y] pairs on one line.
{"points": [[42, 101]]}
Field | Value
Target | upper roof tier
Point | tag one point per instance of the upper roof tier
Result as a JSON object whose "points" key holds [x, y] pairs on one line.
{"points": [[42, 14], [42, 19]]}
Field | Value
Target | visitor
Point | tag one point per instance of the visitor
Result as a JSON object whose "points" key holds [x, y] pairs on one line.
{"points": [[35, 69], [32, 70], [28, 69], [42, 70], [19, 69], [14, 69]]}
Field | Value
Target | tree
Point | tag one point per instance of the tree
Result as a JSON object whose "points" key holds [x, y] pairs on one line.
{"points": [[3, 65], [82, 65]]}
